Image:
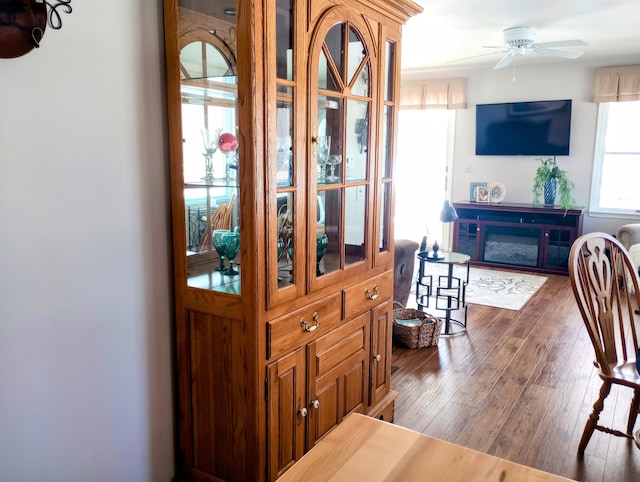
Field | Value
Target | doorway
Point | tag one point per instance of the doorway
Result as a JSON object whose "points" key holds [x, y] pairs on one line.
{"points": [[425, 153]]}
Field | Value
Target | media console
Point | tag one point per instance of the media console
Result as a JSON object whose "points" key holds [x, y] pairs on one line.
{"points": [[528, 237]]}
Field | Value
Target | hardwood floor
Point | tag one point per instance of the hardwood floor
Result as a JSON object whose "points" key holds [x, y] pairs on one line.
{"points": [[519, 385]]}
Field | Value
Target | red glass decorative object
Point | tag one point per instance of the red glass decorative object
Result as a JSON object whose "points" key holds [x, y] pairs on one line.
{"points": [[227, 142]]}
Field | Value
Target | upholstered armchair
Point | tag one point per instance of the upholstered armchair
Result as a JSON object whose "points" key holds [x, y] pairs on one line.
{"points": [[404, 264], [629, 237]]}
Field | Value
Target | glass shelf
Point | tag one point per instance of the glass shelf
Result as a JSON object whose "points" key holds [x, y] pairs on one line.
{"points": [[231, 184], [214, 280]]}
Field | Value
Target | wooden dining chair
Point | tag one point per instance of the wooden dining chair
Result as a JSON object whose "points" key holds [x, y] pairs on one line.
{"points": [[603, 280]]}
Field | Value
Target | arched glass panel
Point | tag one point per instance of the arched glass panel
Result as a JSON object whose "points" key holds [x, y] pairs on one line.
{"points": [[335, 44], [201, 59], [341, 144]]}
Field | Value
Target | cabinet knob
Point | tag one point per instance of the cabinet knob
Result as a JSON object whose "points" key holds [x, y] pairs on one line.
{"points": [[305, 324], [315, 404], [314, 138], [375, 294], [378, 357], [302, 412]]}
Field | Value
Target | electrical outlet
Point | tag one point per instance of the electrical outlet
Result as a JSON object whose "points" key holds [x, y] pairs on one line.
{"points": [[359, 193], [467, 168], [350, 163]]}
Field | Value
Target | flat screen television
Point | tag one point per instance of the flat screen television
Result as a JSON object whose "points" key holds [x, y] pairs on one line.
{"points": [[539, 128]]}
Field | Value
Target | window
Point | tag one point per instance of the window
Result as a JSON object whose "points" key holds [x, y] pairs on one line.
{"points": [[425, 146], [616, 167]]}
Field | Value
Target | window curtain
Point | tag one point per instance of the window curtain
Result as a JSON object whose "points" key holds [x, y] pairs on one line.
{"points": [[617, 84], [434, 94]]}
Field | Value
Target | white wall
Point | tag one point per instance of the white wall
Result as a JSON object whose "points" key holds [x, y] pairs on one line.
{"points": [[557, 80], [85, 280]]}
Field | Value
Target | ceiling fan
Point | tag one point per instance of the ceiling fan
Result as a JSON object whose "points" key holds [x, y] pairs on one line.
{"points": [[519, 41]]}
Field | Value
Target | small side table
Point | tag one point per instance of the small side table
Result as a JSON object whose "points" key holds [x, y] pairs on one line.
{"points": [[449, 291]]}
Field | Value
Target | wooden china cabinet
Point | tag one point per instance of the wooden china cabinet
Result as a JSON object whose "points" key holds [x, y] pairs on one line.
{"points": [[282, 119]]}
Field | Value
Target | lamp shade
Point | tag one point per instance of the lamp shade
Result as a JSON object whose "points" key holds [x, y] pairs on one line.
{"points": [[448, 213]]}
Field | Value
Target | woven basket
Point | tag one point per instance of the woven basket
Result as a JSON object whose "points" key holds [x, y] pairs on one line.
{"points": [[415, 328]]}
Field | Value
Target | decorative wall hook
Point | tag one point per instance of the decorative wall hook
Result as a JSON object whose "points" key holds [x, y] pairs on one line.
{"points": [[23, 22]]}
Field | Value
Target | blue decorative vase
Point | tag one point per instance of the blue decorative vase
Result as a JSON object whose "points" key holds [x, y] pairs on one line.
{"points": [[550, 191]]}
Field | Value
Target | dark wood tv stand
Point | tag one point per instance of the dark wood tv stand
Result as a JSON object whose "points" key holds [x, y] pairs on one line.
{"points": [[529, 237]]}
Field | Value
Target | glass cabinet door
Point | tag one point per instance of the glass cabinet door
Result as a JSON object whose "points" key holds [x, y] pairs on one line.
{"points": [[210, 154], [286, 202], [341, 155], [386, 151]]}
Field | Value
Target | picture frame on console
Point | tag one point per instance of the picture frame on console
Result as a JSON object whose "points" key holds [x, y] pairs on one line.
{"points": [[473, 190], [482, 194]]}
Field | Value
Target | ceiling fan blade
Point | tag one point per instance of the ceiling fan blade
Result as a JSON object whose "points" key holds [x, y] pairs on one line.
{"points": [[506, 60], [565, 54], [560, 43], [493, 46]]}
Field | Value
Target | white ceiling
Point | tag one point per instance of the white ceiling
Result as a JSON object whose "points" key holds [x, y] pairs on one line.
{"points": [[449, 30]]}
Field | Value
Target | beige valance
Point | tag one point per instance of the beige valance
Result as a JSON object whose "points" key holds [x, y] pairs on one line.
{"points": [[617, 84], [434, 94]]}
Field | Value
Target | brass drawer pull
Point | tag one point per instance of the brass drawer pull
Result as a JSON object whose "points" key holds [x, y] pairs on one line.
{"points": [[375, 294], [304, 323]]}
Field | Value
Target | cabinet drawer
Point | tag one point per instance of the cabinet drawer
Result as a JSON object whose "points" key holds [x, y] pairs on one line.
{"points": [[290, 331], [331, 350], [367, 294]]}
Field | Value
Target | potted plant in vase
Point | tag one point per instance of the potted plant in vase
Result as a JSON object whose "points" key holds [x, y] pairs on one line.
{"points": [[550, 179]]}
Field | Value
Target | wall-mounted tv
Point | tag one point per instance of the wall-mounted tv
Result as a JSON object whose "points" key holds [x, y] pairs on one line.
{"points": [[539, 128]]}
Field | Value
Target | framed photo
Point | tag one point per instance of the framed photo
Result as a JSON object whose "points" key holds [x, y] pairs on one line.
{"points": [[473, 190], [496, 192], [482, 194]]}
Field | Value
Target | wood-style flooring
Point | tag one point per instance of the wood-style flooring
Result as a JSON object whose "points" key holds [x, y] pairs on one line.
{"points": [[519, 385]]}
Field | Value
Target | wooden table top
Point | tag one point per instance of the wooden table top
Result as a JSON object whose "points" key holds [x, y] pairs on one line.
{"points": [[364, 448]]}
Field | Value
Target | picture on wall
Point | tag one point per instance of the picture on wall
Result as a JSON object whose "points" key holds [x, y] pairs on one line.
{"points": [[22, 26]]}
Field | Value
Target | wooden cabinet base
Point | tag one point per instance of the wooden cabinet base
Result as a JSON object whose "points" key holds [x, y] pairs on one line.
{"points": [[383, 410]]}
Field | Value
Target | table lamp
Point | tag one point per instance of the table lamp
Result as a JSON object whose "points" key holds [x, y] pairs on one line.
{"points": [[447, 215]]}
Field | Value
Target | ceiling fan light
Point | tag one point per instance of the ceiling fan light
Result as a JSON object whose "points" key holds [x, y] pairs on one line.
{"points": [[517, 37]]}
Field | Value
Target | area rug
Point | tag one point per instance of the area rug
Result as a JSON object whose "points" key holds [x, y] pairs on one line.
{"points": [[509, 290]]}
